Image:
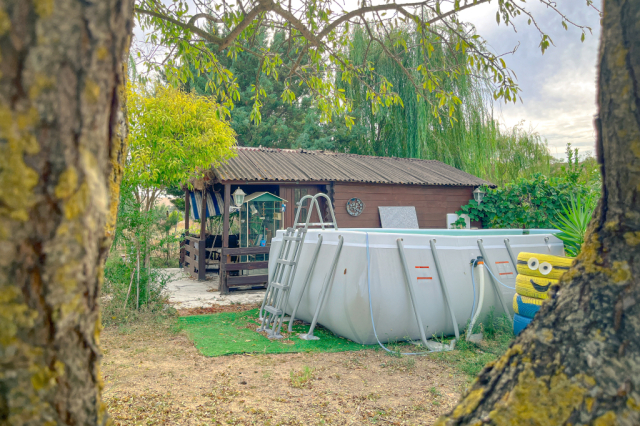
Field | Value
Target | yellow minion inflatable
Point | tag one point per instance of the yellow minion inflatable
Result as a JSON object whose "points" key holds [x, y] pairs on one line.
{"points": [[536, 274]]}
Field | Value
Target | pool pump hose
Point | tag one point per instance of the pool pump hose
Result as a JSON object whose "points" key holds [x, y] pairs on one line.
{"points": [[478, 263]]}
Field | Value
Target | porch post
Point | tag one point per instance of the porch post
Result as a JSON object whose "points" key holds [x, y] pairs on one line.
{"points": [[185, 241], [224, 289], [202, 245], [187, 211]]}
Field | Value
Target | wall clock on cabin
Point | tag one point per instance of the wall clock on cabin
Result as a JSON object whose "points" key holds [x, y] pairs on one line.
{"points": [[355, 206]]}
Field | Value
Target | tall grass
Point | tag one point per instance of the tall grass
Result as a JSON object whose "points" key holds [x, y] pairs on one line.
{"points": [[120, 279], [469, 357]]}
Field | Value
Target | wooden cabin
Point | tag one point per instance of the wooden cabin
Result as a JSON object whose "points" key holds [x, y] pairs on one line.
{"points": [[356, 184]]}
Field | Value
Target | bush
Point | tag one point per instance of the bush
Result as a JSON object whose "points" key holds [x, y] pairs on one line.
{"points": [[118, 276], [527, 203]]}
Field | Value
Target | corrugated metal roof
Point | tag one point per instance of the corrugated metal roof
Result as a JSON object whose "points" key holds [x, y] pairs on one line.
{"points": [[287, 165]]}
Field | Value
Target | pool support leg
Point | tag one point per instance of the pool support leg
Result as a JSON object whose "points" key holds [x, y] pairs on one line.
{"points": [[493, 281], [443, 285], [511, 256], [323, 293], [407, 277]]}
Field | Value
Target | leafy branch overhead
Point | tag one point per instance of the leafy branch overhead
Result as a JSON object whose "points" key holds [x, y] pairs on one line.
{"points": [[317, 47]]}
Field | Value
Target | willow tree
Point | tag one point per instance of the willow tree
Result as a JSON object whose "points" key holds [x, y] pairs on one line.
{"points": [[62, 147], [465, 137], [317, 33]]}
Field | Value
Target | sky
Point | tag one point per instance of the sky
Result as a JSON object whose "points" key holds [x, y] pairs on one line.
{"points": [[559, 87]]}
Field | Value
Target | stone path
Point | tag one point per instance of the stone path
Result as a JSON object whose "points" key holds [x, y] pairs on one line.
{"points": [[185, 292]]}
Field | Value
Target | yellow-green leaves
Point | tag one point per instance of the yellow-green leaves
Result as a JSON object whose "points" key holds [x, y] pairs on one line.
{"points": [[173, 136]]}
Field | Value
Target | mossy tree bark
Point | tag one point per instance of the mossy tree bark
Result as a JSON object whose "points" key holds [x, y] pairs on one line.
{"points": [[579, 360], [62, 144]]}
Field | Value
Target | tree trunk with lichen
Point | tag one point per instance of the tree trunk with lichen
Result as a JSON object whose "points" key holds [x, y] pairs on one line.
{"points": [[579, 360], [62, 142]]}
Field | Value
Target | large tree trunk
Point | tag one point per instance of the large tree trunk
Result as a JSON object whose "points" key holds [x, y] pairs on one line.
{"points": [[579, 360], [61, 152]]}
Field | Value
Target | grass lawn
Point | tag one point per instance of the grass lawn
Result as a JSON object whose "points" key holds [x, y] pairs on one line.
{"points": [[229, 333]]}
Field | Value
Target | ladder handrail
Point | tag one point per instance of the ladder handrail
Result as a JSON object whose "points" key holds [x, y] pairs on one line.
{"points": [[272, 279], [283, 297], [314, 202], [328, 281], [276, 297], [306, 282]]}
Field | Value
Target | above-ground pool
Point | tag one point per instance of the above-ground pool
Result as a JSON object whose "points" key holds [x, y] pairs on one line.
{"points": [[369, 278]]}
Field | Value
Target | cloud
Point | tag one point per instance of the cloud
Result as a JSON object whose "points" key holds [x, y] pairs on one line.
{"points": [[559, 87]]}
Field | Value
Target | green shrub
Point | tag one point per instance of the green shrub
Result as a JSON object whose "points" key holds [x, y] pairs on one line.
{"points": [[119, 277], [526, 203]]}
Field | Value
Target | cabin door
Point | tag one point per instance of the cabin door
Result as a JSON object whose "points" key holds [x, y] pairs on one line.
{"points": [[293, 194]]}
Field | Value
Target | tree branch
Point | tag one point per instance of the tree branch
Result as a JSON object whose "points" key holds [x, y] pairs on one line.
{"points": [[194, 29], [296, 23], [367, 9], [246, 21], [194, 18]]}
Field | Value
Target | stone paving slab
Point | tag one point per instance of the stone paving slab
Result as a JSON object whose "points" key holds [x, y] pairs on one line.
{"points": [[185, 292]]}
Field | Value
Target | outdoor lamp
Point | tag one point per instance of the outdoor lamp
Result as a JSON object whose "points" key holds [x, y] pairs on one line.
{"points": [[238, 197], [478, 194]]}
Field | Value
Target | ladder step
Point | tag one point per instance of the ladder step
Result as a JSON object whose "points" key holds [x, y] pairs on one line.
{"points": [[273, 310], [286, 238], [279, 286], [286, 262]]}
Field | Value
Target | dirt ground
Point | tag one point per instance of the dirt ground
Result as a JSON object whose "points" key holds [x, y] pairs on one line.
{"points": [[153, 376]]}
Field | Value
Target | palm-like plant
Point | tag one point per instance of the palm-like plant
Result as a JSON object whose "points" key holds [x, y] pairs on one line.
{"points": [[573, 222]]}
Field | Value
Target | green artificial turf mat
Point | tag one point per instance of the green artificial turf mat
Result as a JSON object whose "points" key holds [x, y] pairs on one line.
{"points": [[230, 333]]}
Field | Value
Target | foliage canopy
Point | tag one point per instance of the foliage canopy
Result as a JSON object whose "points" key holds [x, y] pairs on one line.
{"points": [[471, 141], [174, 135], [317, 35]]}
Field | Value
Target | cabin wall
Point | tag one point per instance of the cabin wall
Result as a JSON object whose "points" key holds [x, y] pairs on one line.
{"points": [[432, 203]]}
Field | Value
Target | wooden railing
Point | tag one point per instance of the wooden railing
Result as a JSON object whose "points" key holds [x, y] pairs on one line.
{"points": [[195, 262], [227, 282]]}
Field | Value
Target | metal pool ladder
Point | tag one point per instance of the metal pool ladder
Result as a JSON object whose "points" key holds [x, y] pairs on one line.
{"points": [[277, 294]]}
